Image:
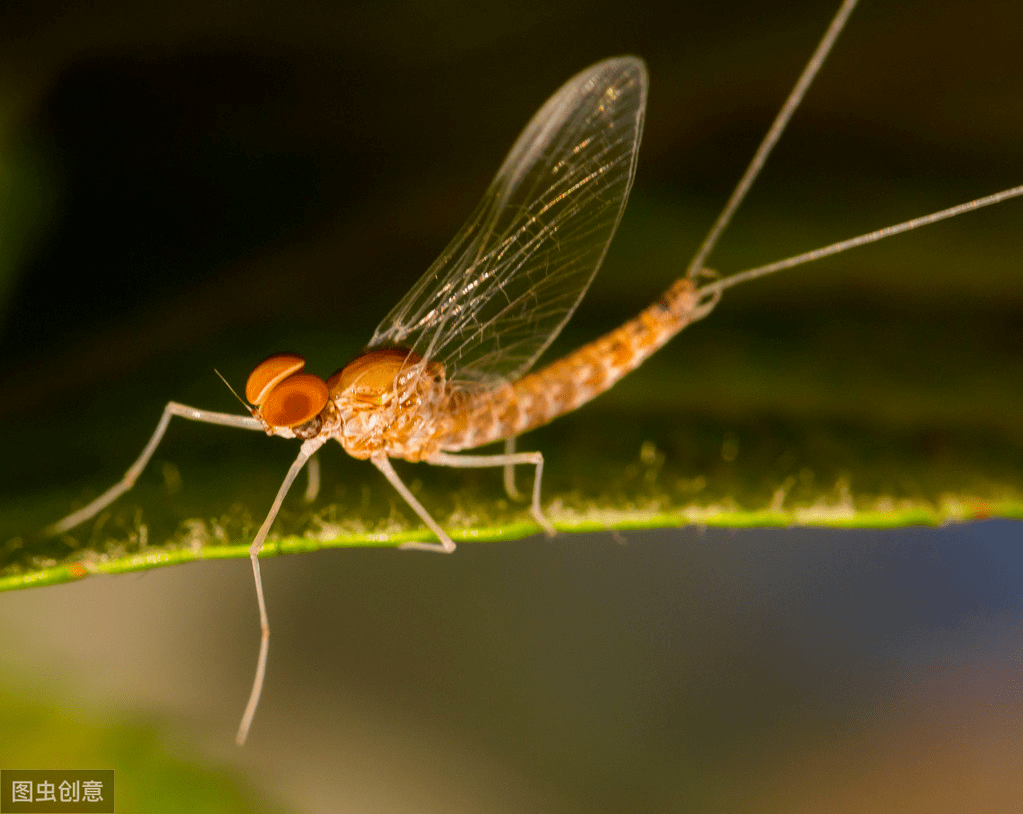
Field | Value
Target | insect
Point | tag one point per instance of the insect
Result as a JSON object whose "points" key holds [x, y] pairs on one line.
{"points": [[448, 370]]}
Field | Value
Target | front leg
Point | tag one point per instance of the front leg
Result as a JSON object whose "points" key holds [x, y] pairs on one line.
{"points": [[308, 449], [244, 422]]}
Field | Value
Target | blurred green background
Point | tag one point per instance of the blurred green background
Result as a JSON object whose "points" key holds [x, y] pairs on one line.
{"points": [[189, 186]]}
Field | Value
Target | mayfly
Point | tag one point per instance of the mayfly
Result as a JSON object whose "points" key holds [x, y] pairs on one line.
{"points": [[448, 369]]}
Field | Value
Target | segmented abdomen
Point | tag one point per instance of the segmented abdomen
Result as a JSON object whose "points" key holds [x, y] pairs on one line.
{"points": [[564, 385]]}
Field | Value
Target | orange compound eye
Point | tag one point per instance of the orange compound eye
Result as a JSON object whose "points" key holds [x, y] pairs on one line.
{"points": [[269, 373], [295, 401]]}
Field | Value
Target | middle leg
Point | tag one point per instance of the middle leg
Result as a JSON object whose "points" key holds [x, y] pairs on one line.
{"points": [[506, 460]]}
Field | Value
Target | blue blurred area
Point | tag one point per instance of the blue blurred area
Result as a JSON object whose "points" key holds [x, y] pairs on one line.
{"points": [[677, 670]]}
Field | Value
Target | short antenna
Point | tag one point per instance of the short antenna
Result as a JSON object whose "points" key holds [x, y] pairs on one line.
{"points": [[227, 384]]}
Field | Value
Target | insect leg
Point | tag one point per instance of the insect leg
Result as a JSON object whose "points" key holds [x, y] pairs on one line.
{"points": [[507, 460], [312, 487], [308, 448], [172, 409], [509, 471], [446, 544]]}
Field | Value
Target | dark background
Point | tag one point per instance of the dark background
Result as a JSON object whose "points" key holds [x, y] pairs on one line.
{"points": [[190, 186], [194, 177]]}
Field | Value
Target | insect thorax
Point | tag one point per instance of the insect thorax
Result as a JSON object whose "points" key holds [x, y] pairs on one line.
{"points": [[389, 401]]}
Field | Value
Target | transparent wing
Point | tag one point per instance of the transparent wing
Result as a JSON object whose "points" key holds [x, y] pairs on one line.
{"points": [[505, 286]]}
